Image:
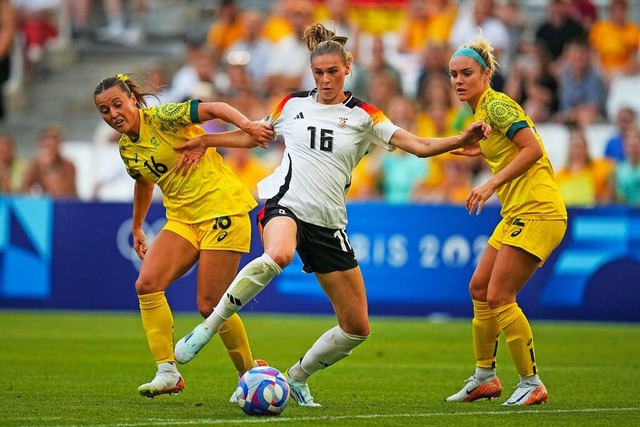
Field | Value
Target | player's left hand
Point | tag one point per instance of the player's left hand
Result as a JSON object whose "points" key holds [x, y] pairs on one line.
{"points": [[475, 132], [190, 154], [261, 132], [478, 196]]}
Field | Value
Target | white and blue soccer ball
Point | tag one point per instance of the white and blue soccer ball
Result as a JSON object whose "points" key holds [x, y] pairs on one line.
{"points": [[263, 391]]}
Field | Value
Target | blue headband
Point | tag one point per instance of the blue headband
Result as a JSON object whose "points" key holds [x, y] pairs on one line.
{"points": [[471, 53]]}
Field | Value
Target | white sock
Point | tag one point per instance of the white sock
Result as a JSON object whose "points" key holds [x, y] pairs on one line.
{"points": [[333, 346], [249, 282], [533, 379], [484, 374]]}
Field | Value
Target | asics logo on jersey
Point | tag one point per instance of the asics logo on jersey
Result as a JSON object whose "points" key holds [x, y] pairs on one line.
{"points": [[299, 116], [222, 236]]}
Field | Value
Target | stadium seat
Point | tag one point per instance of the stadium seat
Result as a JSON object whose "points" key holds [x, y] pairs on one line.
{"points": [[597, 137], [81, 153], [623, 92], [556, 141]]}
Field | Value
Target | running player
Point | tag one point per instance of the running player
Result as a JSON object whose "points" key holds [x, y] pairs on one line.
{"points": [[534, 220], [326, 132], [207, 215]]}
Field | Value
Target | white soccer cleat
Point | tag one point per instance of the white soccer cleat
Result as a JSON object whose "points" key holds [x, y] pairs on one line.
{"points": [[189, 345], [167, 381], [256, 363], [300, 392], [475, 390], [528, 394]]}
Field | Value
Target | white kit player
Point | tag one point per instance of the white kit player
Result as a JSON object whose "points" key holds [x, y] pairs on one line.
{"points": [[326, 132]]}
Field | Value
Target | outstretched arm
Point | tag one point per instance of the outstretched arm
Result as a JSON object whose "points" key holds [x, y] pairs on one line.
{"points": [[258, 130], [192, 151], [427, 147]]}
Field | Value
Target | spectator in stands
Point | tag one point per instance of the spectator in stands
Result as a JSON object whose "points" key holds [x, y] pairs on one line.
{"points": [[119, 29], [399, 171], [627, 178], [382, 89], [278, 25], [532, 84], [288, 66], [558, 29], [454, 184], [426, 22], [111, 181], [8, 26], [616, 41], [227, 28], [251, 50], [481, 17], [439, 114], [199, 66], [582, 94], [516, 23], [614, 149], [49, 172], [339, 17], [12, 167], [38, 24], [378, 65], [79, 11], [583, 181], [583, 11], [435, 63]]}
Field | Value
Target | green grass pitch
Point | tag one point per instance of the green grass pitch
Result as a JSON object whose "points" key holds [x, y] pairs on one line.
{"points": [[83, 368]]}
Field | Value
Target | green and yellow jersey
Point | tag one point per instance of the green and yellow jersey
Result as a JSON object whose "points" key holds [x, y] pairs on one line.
{"points": [[210, 191], [534, 194]]}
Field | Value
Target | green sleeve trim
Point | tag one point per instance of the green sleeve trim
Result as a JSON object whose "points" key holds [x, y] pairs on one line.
{"points": [[193, 110], [515, 127]]}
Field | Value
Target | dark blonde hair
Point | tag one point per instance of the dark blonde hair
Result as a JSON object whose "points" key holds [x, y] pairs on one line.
{"points": [[127, 85], [322, 41], [485, 50]]}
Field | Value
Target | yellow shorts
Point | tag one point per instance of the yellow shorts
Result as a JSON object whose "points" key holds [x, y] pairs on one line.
{"points": [[226, 233], [537, 237]]}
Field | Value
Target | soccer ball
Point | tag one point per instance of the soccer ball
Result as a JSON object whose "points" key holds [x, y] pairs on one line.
{"points": [[262, 391]]}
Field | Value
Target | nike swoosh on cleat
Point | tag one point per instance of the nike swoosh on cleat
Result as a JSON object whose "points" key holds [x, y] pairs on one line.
{"points": [[471, 391], [188, 336]]}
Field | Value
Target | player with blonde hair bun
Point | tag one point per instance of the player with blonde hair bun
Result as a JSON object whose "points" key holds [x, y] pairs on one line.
{"points": [[534, 220], [326, 132]]}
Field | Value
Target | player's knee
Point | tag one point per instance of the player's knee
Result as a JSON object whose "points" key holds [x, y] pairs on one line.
{"points": [[205, 308], [145, 286], [359, 329], [477, 291], [282, 258]]}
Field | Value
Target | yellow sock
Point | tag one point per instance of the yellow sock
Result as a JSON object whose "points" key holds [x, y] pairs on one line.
{"points": [[486, 331], [519, 337], [234, 337], [157, 322]]}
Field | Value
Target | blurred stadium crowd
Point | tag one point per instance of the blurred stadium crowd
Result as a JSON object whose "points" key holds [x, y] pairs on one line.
{"points": [[574, 65]]}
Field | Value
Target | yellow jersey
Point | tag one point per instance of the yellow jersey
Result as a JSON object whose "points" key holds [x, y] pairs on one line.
{"points": [[210, 191], [535, 193]]}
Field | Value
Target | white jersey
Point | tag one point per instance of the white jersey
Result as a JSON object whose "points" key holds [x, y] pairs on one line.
{"points": [[323, 144]]}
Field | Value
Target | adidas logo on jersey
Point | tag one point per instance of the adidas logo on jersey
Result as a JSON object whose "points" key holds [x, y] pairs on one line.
{"points": [[299, 116]]}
